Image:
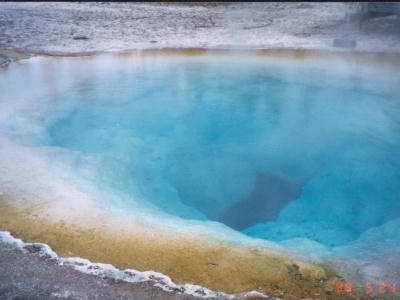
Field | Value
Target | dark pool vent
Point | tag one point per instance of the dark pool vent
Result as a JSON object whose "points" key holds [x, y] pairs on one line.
{"points": [[268, 197]]}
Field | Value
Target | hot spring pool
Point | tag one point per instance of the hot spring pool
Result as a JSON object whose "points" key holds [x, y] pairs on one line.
{"points": [[302, 154]]}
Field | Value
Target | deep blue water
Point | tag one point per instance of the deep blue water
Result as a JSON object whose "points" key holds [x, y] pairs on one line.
{"points": [[277, 149]]}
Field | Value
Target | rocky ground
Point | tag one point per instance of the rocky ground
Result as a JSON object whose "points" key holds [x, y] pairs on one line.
{"points": [[33, 277], [73, 28], [30, 275]]}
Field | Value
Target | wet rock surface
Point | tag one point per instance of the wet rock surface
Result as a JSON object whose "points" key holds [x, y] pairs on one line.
{"points": [[344, 43], [31, 276], [4, 61]]}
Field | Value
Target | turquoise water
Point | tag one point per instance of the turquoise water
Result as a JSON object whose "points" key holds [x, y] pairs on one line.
{"points": [[273, 148]]}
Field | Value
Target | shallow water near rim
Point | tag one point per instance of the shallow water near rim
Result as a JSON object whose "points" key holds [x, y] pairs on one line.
{"points": [[277, 149]]}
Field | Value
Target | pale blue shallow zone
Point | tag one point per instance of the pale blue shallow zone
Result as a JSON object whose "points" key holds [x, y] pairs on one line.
{"points": [[190, 136]]}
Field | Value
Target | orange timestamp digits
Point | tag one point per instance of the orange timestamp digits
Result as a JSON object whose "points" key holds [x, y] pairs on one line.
{"points": [[383, 287], [342, 287]]}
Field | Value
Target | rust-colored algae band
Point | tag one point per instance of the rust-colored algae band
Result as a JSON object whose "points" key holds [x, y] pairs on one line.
{"points": [[381, 58], [387, 59], [215, 264]]}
